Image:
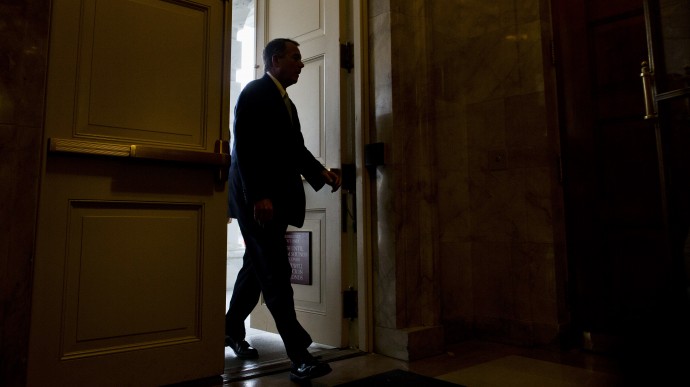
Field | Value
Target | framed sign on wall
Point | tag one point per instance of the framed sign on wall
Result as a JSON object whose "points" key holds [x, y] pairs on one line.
{"points": [[299, 253]]}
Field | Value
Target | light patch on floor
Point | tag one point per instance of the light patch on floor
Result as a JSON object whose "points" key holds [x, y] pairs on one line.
{"points": [[519, 371]]}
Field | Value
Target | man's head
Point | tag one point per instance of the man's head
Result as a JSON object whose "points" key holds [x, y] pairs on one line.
{"points": [[283, 60]]}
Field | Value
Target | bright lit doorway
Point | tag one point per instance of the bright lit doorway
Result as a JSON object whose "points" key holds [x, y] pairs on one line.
{"points": [[326, 95], [243, 70]]}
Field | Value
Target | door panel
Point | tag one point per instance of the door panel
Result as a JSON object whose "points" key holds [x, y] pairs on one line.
{"points": [[145, 71], [311, 80], [315, 25], [110, 263], [127, 85], [301, 20], [130, 254]]}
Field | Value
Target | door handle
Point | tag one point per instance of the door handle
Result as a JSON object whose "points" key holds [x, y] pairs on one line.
{"points": [[647, 77], [218, 158]]}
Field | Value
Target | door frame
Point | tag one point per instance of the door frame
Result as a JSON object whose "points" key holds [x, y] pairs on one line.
{"points": [[363, 182]]}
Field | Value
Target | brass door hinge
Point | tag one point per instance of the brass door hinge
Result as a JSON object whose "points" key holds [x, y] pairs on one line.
{"points": [[347, 56], [350, 303]]}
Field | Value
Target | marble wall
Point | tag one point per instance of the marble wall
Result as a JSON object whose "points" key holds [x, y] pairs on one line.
{"points": [[469, 207]]}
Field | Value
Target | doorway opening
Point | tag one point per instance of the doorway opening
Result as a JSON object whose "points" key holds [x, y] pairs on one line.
{"points": [[242, 71]]}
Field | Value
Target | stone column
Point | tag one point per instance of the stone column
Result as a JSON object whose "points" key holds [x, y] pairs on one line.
{"points": [[406, 276]]}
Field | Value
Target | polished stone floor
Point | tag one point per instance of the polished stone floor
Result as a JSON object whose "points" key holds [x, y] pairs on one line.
{"points": [[471, 364]]}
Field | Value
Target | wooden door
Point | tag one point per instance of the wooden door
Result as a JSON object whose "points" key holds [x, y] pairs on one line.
{"points": [[614, 196], [130, 258], [666, 86], [316, 26], [626, 178]]}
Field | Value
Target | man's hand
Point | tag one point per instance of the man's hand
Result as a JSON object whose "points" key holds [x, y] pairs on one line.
{"points": [[332, 179], [263, 211]]}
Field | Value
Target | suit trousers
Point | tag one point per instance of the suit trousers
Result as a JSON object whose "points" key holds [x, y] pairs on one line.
{"points": [[266, 269]]}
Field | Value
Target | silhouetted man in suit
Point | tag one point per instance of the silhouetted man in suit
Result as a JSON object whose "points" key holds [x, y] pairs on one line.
{"points": [[266, 194]]}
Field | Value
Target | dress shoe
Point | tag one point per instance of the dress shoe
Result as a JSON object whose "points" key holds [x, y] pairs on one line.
{"points": [[308, 368], [241, 348]]}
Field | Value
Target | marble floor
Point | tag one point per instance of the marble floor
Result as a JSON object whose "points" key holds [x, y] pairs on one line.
{"points": [[652, 359], [470, 364]]}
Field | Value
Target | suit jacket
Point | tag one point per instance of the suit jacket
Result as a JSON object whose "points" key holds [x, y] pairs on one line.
{"points": [[269, 156]]}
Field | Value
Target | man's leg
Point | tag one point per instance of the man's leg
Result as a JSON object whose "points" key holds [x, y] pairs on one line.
{"points": [[272, 268], [273, 271], [245, 296]]}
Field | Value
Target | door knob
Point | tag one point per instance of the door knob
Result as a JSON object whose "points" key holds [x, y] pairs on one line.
{"points": [[646, 75]]}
